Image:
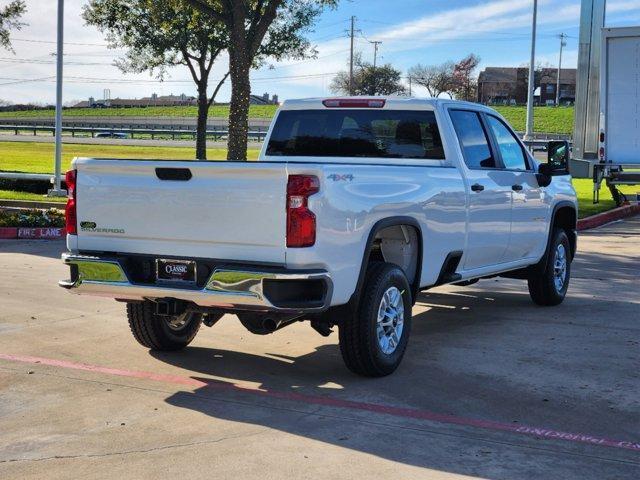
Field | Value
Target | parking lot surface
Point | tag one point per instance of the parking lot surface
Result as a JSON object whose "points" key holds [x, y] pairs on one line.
{"points": [[491, 385]]}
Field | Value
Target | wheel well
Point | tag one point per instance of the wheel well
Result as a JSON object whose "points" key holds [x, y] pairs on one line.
{"points": [[400, 245], [391, 228], [565, 218]]}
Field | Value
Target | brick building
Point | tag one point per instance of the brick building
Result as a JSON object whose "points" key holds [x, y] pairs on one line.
{"points": [[508, 85]]}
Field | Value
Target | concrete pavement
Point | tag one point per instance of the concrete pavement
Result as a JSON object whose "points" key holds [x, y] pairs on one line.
{"points": [[491, 386]]}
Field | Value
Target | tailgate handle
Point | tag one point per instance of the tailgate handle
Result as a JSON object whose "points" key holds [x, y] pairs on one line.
{"points": [[178, 174]]}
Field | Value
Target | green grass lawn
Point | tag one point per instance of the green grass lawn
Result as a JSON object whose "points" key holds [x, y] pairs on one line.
{"points": [[33, 157], [35, 197], [545, 119], [216, 111], [584, 190]]}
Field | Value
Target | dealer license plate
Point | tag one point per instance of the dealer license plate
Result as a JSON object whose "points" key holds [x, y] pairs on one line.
{"points": [[182, 271]]}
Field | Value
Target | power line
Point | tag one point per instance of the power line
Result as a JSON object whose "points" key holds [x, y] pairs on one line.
{"points": [[33, 61], [34, 40], [125, 81], [27, 80]]}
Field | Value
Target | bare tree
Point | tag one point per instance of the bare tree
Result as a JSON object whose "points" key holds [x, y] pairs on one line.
{"points": [[437, 79]]}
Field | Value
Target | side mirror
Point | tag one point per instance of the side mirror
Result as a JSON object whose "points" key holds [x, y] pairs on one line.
{"points": [[558, 155]]}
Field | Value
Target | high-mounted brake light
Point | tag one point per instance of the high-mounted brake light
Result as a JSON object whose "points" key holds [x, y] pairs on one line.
{"points": [[301, 222], [354, 103], [71, 218]]}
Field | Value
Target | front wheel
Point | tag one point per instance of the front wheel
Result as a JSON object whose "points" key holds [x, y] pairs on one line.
{"points": [[374, 338], [160, 332], [550, 287]]}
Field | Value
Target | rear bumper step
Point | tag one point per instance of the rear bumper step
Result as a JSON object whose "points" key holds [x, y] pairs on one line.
{"points": [[228, 288]]}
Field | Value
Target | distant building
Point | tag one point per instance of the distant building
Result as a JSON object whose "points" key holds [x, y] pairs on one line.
{"points": [[154, 100], [508, 86], [263, 100], [547, 82]]}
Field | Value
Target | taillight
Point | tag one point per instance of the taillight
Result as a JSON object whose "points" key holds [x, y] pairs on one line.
{"points": [[71, 218], [301, 222], [601, 154], [354, 103]]}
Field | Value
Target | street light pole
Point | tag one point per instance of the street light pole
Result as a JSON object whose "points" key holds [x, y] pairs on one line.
{"points": [[353, 21], [57, 184], [562, 44], [531, 86]]}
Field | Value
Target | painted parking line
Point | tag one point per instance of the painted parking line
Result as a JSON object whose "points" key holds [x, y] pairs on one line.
{"points": [[540, 432]]}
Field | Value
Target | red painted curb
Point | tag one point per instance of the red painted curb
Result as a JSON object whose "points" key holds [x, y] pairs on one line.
{"points": [[40, 233], [8, 232], [606, 217]]}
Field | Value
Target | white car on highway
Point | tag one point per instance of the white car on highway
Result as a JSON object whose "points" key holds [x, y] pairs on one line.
{"points": [[354, 206]]}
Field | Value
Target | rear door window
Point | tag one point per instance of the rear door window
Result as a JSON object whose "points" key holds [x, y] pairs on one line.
{"points": [[473, 139], [356, 133]]}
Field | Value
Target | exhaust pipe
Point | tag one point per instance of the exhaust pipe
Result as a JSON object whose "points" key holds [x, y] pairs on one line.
{"points": [[261, 325]]}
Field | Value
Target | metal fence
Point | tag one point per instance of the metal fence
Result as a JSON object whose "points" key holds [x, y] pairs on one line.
{"points": [[152, 133]]}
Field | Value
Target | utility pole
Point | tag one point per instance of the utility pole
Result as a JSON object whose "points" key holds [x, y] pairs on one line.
{"points": [[353, 24], [410, 85], [375, 58], [562, 44], [375, 51], [57, 183], [528, 135]]}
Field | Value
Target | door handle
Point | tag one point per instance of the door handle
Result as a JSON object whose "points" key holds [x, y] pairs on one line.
{"points": [[476, 187], [516, 188]]}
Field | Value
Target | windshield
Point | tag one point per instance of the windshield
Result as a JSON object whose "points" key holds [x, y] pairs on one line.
{"points": [[356, 133]]}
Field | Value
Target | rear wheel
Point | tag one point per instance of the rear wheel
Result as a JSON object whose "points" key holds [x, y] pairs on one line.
{"points": [[550, 287], [374, 338], [160, 332]]}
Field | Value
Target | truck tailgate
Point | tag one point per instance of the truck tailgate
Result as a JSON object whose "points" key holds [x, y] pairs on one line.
{"points": [[222, 210]]}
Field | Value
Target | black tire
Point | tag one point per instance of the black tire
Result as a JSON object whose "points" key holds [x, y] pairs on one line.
{"points": [[543, 287], [155, 331], [359, 344]]}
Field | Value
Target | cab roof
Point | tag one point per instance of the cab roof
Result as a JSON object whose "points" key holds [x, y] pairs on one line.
{"points": [[376, 102]]}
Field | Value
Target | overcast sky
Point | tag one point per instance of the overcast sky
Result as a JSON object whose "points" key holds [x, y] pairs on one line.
{"points": [[412, 31]]}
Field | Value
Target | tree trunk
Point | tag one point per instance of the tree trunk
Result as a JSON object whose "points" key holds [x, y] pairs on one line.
{"points": [[201, 128], [239, 108]]}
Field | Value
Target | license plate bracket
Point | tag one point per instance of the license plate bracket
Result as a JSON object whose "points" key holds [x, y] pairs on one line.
{"points": [[176, 271]]}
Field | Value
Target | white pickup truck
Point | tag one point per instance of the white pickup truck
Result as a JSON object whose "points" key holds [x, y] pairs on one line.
{"points": [[354, 206]]}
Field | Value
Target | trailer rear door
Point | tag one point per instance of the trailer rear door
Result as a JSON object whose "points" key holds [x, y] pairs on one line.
{"points": [[622, 98]]}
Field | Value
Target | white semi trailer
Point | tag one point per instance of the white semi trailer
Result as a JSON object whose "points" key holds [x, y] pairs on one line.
{"points": [[618, 161]]}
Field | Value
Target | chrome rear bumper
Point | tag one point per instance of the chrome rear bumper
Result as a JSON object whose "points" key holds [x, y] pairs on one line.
{"points": [[229, 288]]}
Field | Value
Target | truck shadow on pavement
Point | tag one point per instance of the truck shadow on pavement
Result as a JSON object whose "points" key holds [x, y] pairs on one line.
{"points": [[473, 353]]}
